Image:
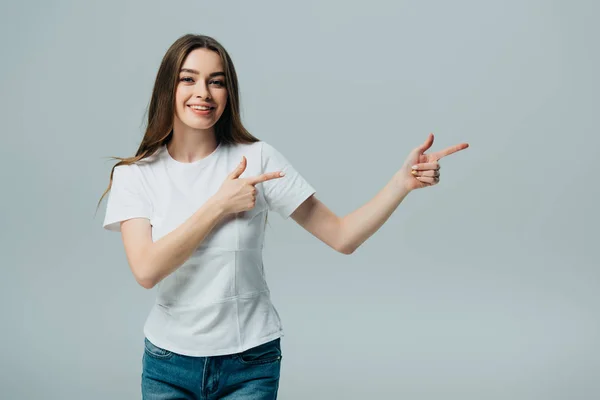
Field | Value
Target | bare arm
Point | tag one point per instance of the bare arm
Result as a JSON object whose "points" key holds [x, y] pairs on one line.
{"points": [[151, 261], [346, 234]]}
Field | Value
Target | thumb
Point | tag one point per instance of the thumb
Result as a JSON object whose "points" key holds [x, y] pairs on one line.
{"points": [[425, 146], [239, 169]]}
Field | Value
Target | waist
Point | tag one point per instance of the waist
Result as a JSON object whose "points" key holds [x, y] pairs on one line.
{"points": [[214, 276], [214, 328]]}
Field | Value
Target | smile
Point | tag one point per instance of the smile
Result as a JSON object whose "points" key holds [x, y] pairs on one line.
{"points": [[201, 110]]}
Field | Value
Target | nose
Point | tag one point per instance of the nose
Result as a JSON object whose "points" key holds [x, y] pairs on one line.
{"points": [[202, 90]]}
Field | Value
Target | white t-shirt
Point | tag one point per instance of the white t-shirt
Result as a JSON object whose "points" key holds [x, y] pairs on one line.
{"points": [[218, 302]]}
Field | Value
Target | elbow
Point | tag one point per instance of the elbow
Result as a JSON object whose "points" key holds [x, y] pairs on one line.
{"points": [[145, 283], [346, 249], [144, 279], [342, 243]]}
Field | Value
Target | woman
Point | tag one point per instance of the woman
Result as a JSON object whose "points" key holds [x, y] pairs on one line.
{"points": [[192, 207]]}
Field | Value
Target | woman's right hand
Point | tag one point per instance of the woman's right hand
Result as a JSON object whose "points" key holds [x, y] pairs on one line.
{"points": [[239, 194]]}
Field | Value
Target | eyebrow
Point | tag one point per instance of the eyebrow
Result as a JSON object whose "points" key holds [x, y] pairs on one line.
{"points": [[193, 71]]}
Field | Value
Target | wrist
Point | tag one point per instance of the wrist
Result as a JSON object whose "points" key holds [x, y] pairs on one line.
{"points": [[216, 207], [401, 185]]}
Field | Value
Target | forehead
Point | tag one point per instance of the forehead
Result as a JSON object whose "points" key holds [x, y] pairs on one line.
{"points": [[203, 60]]}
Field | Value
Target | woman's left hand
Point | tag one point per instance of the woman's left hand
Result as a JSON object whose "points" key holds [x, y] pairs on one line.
{"points": [[422, 170]]}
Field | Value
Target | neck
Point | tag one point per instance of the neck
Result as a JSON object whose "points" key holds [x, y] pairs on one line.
{"points": [[188, 145]]}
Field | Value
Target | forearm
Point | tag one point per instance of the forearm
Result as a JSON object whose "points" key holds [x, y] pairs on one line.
{"points": [[362, 223], [172, 250]]}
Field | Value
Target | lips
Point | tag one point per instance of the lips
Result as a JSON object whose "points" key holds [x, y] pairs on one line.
{"points": [[201, 107], [202, 112]]}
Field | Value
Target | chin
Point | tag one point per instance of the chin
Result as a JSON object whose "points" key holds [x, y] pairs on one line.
{"points": [[195, 124], [200, 127]]}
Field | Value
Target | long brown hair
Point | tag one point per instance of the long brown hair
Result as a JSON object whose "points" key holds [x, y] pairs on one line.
{"points": [[161, 111]]}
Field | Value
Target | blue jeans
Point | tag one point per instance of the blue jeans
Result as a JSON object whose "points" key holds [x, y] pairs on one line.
{"points": [[250, 375]]}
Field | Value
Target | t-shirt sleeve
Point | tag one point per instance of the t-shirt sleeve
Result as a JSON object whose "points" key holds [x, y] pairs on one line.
{"points": [[283, 195], [126, 199]]}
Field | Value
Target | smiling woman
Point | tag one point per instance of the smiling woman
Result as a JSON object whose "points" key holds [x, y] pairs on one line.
{"points": [[194, 227], [201, 95]]}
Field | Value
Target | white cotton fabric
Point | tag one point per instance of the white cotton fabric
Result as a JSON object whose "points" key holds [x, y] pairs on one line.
{"points": [[218, 302]]}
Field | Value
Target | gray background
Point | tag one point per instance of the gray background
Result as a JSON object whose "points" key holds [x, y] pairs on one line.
{"points": [[483, 287]]}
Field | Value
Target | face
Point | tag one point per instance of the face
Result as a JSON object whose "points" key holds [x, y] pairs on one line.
{"points": [[201, 95]]}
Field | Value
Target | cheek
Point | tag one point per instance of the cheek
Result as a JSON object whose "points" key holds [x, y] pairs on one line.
{"points": [[223, 102], [180, 100], [179, 109], [179, 97]]}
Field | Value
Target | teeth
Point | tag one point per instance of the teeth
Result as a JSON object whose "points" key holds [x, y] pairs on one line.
{"points": [[200, 108]]}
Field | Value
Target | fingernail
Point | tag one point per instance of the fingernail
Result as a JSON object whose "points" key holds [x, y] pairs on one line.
{"points": [[413, 172], [414, 167], [282, 174]]}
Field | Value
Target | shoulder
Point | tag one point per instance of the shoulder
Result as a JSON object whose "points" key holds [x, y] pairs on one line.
{"points": [[130, 173], [267, 148], [260, 145], [143, 166], [264, 151], [246, 146], [123, 175], [147, 162], [259, 154], [123, 169], [248, 149], [271, 154]]}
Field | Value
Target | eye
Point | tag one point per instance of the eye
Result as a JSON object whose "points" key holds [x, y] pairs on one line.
{"points": [[218, 82], [187, 79]]}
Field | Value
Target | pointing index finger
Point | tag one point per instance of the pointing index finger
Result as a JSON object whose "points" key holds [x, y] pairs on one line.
{"points": [[449, 150], [265, 177]]}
